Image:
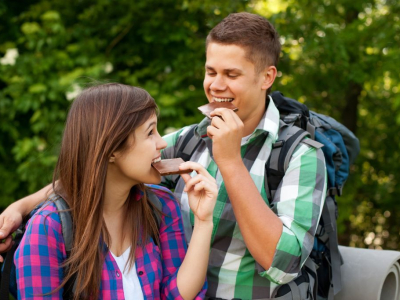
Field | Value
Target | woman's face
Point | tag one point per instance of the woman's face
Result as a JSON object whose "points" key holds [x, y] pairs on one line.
{"points": [[133, 164]]}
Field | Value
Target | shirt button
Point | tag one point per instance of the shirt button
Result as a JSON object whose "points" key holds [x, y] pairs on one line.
{"points": [[117, 274], [140, 273]]}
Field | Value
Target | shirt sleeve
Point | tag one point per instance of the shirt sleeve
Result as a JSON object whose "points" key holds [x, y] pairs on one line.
{"points": [[173, 246], [39, 256], [298, 202]]}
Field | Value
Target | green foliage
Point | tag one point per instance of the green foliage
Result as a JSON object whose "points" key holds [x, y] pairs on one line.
{"points": [[49, 50], [338, 57]]}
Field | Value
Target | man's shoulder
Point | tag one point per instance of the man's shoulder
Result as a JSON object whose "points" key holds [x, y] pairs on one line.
{"points": [[172, 137]]}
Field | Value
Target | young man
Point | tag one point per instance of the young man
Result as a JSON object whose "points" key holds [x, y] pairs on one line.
{"points": [[256, 246]]}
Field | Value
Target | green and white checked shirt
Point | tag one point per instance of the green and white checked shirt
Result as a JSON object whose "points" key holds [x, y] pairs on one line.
{"points": [[232, 271]]}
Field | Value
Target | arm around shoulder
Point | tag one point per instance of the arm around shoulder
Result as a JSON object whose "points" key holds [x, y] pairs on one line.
{"points": [[11, 217]]}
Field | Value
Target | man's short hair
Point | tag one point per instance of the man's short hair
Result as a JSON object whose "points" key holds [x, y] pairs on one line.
{"points": [[252, 32]]}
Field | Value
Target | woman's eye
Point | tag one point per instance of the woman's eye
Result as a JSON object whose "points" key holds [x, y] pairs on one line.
{"points": [[151, 132]]}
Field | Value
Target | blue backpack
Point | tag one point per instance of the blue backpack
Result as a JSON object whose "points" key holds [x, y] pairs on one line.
{"points": [[340, 147]]}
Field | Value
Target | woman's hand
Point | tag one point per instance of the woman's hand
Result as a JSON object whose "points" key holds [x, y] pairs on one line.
{"points": [[202, 191]]}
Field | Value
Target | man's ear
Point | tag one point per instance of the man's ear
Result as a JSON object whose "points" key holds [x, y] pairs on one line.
{"points": [[269, 75]]}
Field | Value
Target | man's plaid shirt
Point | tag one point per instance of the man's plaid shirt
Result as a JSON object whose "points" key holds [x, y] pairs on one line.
{"points": [[232, 271]]}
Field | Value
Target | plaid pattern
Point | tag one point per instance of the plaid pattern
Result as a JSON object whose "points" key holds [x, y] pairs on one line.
{"points": [[42, 250], [232, 271]]}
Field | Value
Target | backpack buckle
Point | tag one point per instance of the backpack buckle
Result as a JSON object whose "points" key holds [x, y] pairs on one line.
{"points": [[335, 191], [291, 118]]}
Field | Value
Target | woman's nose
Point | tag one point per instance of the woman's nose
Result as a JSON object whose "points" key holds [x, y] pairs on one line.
{"points": [[161, 144]]}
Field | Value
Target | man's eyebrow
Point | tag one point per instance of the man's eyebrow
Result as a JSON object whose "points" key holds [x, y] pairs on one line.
{"points": [[226, 70], [232, 70]]}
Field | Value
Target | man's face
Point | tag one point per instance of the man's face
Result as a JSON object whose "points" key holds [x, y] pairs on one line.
{"points": [[231, 77]]}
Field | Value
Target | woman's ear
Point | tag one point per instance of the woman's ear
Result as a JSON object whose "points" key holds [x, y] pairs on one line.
{"points": [[112, 158], [269, 75]]}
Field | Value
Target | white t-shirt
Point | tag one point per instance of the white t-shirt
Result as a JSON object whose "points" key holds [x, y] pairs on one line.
{"points": [[130, 280]]}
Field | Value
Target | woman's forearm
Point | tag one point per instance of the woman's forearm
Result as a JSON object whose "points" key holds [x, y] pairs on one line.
{"points": [[192, 272]]}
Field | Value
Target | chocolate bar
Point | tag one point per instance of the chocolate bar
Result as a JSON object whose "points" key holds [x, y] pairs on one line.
{"points": [[170, 167], [208, 108]]}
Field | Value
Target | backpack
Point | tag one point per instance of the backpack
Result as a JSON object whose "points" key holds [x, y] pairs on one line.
{"points": [[340, 147], [8, 277]]}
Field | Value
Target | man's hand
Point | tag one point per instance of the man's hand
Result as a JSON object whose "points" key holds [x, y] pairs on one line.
{"points": [[226, 132], [9, 222]]}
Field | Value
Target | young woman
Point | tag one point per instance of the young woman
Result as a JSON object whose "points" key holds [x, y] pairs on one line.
{"points": [[109, 143]]}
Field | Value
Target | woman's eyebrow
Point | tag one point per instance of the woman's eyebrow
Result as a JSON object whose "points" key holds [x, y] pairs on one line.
{"points": [[151, 125]]}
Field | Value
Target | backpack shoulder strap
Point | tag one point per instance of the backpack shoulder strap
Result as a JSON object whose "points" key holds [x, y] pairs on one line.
{"points": [[67, 232], [66, 221], [188, 143], [289, 137]]}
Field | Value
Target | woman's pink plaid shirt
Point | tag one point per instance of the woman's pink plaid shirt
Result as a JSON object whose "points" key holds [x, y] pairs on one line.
{"points": [[42, 251]]}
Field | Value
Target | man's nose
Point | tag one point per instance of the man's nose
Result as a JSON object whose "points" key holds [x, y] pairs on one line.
{"points": [[218, 84]]}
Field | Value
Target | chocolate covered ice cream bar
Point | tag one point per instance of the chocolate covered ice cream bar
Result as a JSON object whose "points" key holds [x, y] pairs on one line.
{"points": [[208, 108], [170, 166]]}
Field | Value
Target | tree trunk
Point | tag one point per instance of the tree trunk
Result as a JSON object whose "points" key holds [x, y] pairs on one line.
{"points": [[350, 109]]}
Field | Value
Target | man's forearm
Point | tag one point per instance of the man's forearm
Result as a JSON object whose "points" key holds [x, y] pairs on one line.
{"points": [[25, 205], [260, 227], [11, 217]]}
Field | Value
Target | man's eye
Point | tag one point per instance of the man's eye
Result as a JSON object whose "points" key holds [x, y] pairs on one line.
{"points": [[232, 75], [211, 74]]}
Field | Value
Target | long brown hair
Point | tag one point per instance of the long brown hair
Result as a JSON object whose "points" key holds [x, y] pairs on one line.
{"points": [[99, 122]]}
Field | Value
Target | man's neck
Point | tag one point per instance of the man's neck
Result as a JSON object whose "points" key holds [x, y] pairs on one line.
{"points": [[252, 122]]}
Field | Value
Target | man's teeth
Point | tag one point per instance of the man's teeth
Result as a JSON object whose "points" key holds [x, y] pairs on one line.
{"points": [[222, 99], [156, 160]]}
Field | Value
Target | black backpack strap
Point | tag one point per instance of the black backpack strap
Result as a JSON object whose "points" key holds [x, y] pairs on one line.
{"points": [[188, 144], [289, 137], [329, 220]]}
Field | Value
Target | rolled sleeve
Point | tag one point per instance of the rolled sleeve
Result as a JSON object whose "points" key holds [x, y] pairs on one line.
{"points": [[298, 203]]}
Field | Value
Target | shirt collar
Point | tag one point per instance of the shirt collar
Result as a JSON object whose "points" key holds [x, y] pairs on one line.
{"points": [[269, 123]]}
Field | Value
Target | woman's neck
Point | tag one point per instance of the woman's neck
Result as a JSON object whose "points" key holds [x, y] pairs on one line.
{"points": [[114, 213], [116, 194]]}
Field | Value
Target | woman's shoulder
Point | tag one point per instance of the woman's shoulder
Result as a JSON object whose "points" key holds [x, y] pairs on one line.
{"points": [[46, 215], [161, 192]]}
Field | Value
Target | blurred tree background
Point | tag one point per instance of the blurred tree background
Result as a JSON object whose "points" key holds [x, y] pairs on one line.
{"points": [[339, 57]]}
